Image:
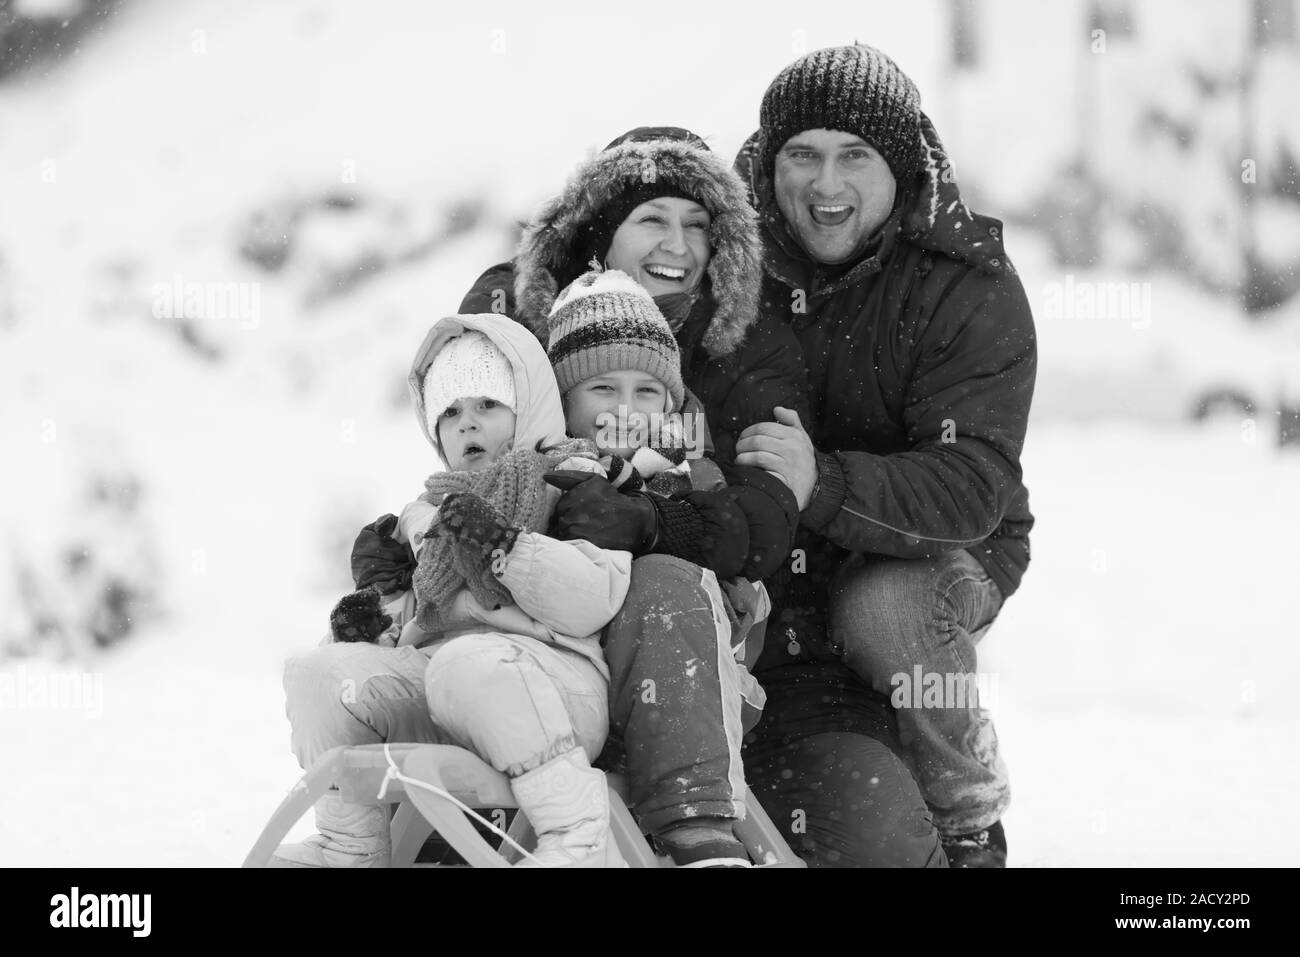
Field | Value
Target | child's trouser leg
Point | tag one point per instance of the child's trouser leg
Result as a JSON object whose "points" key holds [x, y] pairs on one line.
{"points": [[539, 714], [677, 697], [351, 694], [515, 701]]}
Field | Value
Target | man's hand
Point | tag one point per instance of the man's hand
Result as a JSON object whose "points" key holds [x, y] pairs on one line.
{"points": [[784, 449], [594, 510]]}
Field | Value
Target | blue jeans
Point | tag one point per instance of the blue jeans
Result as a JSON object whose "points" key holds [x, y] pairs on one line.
{"points": [[910, 628]]}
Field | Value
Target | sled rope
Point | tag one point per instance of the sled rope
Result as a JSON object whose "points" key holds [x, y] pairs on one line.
{"points": [[395, 773]]}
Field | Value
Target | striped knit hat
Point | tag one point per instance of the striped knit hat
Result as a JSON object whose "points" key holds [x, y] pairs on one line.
{"points": [[853, 89], [603, 321]]}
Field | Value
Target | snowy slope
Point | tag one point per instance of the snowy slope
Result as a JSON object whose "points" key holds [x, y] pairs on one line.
{"points": [[1145, 666]]}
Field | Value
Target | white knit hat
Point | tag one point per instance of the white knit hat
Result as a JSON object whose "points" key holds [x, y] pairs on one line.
{"points": [[471, 364]]}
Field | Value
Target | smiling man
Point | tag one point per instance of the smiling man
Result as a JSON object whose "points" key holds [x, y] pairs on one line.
{"points": [[835, 190], [920, 356]]}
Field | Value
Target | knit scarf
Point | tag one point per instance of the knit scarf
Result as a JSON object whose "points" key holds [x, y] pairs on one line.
{"points": [[515, 488]]}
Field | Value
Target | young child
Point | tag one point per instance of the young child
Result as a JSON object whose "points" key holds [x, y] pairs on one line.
{"points": [[515, 670]]}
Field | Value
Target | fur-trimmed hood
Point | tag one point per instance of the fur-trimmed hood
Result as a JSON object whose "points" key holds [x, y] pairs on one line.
{"points": [[547, 247]]}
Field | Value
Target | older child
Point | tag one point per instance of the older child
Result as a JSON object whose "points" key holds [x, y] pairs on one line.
{"points": [[618, 367]]}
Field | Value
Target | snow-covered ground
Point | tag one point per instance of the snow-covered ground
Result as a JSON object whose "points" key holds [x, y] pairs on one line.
{"points": [[1142, 670], [1143, 681]]}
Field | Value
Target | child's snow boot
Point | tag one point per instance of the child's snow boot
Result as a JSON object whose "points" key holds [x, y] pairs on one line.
{"points": [[567, 802], [351, 835]]}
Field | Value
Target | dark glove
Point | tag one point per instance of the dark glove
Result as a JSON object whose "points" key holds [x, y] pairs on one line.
{"points": [[594, 510], [358, 617], [475, 526], [381, 561]]}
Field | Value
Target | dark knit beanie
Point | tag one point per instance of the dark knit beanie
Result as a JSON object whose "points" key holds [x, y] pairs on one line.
{"points": [[854, 89], [604, 321]]}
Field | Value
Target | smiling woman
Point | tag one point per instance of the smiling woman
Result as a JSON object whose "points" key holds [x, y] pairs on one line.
{"points": [[663, 244]]}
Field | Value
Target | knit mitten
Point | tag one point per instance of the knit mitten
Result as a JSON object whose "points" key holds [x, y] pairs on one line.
{"points": [[358, 617], [475, 527]]}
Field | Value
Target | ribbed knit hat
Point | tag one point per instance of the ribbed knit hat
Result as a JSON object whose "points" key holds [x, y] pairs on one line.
{"points": [[469, 365], [603, 321], [854, 89]]}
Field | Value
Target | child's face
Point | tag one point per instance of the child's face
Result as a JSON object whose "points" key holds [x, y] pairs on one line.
{"points": [[593, 405], [474, 432]]}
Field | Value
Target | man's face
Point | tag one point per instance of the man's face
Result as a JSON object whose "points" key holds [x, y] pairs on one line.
{"points": [[591, 406], [474, 432], [834, 190]]}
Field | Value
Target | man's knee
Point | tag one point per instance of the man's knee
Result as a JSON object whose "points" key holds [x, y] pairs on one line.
{"points": [[889, 615], [884, 612], [882, 593]]}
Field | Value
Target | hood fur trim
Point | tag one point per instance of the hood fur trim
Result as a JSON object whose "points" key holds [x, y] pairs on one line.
{"points": [[735, 266]]}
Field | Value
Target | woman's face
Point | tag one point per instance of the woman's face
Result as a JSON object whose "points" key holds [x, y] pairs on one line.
{"points": [[663, 244]]}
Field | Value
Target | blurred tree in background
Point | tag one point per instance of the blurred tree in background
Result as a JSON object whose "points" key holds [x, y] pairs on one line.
{"points": [[1185, 154], [37, 31]]}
